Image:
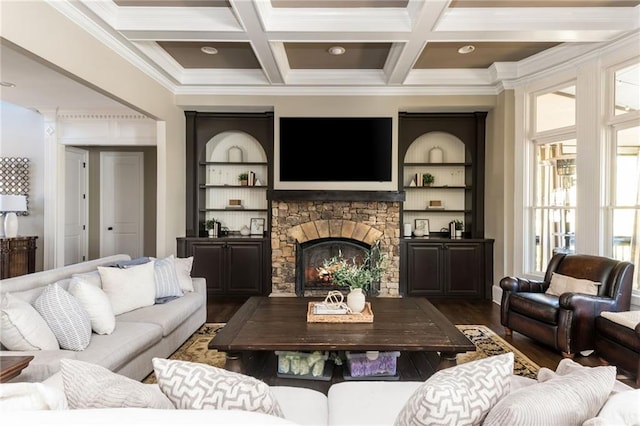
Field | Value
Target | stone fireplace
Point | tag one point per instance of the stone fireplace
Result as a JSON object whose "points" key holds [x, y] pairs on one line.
{"points": [[298, 223]]}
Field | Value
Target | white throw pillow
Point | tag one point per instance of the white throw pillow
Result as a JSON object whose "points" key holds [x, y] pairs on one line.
{"points": [[568, 399], [460, 395], [92, 278], [183, 270], [564, 284], [166, 278], [96, 303], [129, 288], [621, 408], [88, 385], [23, 328], [66, 317], [191, 385]]}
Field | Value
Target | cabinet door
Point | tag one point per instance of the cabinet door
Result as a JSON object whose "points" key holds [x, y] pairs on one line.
{"points": [[464, 273], [208, 263], [245, 266], [424, 270]]}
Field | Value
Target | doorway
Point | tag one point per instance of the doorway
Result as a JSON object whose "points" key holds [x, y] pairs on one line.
{"points": [[121, 203]]}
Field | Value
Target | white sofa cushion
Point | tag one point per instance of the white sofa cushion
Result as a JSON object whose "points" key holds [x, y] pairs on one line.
{"points": [[129, 288], [302, 406], [568, 399], [96, 303], [368, 403], [30, 396], [22, 328], [460, 395], [88, 385], [141, 416], [198, 386], [66, 317]]}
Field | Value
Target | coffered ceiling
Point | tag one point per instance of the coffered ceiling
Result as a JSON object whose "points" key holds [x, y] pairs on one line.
{"points": [[284, 46]]}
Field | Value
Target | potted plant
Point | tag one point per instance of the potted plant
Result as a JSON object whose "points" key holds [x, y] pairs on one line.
{"points": [[244, 179], [210, 227], [358, 276], [459, 225], [428, 179]]}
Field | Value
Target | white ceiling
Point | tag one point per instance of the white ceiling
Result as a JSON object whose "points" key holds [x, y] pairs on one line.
{"points": [[278, 38]]}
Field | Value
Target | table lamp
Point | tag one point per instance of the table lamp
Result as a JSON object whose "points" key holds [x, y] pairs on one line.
{"points": [[10, 204]]}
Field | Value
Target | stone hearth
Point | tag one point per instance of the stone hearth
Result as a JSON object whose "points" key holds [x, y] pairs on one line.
{"points": [[301, 221]]}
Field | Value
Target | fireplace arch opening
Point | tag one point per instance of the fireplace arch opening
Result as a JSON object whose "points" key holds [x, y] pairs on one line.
{"points": [[310, 256]]}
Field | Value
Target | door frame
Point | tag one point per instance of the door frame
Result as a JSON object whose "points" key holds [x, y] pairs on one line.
{"points": [[85, 175]]}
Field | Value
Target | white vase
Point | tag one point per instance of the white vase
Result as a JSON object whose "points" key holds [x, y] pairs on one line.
{"points": [[356, 300]]}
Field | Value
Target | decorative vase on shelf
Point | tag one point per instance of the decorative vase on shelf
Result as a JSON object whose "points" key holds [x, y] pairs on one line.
{"points": [[435, 155], [245, 230], [356, 300]]}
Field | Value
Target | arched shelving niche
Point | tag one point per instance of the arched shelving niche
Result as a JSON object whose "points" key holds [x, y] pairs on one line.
{"points": [[459, 174], [442, 155], [226, 156]]}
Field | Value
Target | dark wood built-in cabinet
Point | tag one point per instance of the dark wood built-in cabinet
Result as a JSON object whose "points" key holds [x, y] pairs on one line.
{"points": [[231, 266], [17, 256], [438, 266], [446, 268]]}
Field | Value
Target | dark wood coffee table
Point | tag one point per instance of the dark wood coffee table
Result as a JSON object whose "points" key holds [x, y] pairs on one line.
{"points": [[426, 339], [12, 366]]}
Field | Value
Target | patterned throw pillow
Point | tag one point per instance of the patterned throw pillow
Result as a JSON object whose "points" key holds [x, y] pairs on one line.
{"points": [[191, 385], [460, 395], [66, 317], [92, 386], [568, 399], [166, 278]]}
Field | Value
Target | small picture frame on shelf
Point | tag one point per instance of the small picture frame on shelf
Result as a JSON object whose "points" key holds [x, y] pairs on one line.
{"points": [[257, 226], [422, 225]]}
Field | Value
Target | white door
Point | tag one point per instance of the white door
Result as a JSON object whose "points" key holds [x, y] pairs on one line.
{"points": [[121, 203], [76, 201]]}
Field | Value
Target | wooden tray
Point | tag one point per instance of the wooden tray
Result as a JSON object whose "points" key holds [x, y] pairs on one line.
{"points": [[365, 316]]}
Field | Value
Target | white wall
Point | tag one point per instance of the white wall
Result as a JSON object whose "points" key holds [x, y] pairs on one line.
{"points": [[21, 135]]}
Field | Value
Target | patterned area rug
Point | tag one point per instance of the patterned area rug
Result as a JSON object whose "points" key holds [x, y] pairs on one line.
{"points": [[487, 343]]}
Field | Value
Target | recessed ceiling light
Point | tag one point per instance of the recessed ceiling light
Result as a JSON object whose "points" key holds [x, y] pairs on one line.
{"points": [[466, 49], [209, 50], [7, 84], [336, 50]]}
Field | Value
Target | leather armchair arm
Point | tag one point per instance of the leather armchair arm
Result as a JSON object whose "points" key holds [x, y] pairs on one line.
{"points": [[586, 304], [517, 284]]}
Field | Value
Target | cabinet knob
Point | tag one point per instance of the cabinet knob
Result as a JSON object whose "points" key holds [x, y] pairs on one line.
{"points": [[110, 228]]}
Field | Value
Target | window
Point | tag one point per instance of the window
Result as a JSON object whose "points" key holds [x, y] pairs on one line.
{"points": [[554, 177], [624, 170]]}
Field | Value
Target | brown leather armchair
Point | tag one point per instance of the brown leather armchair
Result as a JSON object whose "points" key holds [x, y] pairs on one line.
{"points": [[566, 322]]}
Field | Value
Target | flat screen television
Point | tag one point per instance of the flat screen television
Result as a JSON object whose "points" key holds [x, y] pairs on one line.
{"points": [[335, 149]]}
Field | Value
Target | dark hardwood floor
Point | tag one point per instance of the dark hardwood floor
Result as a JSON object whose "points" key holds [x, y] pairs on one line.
{"points": [[483, 312]]}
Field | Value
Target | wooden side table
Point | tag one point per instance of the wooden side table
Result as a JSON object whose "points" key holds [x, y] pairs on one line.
{"points": [[17, 256], [12, 366]]}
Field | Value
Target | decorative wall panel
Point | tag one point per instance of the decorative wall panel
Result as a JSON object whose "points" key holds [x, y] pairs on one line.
{"points": [[14, 178]]}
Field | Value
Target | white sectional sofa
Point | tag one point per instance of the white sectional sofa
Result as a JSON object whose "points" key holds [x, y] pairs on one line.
{"points": [[139, 335]]}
